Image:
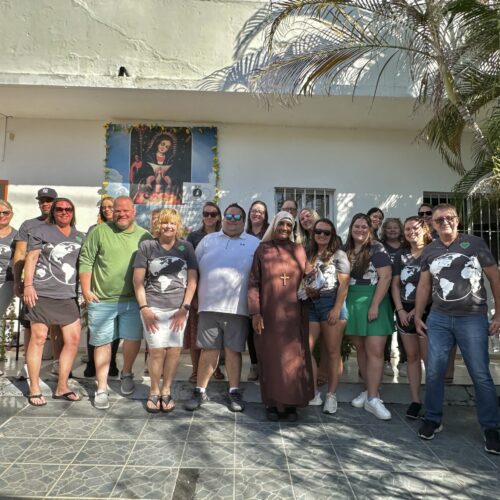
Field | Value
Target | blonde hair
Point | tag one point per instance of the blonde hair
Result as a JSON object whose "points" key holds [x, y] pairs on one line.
{"points": [[5, 203], [169, 215], [303, 237]]}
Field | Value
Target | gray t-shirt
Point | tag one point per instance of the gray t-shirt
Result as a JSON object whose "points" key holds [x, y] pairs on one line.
{"points": [[339, 263], [166, 271], [457, 275], [407, 267], [28, 226], [378, 258], [56, 273], [7, 245]]}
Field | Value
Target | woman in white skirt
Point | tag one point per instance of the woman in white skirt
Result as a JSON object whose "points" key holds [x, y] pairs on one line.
{"points": [[165, 278]]}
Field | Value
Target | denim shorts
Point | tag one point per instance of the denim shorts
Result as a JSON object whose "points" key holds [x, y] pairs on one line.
{"points": [[320, 308], [114, 320]]}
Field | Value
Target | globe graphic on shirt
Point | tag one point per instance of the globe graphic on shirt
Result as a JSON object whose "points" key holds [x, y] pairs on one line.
{"points": [[4, 253], [164, 270], [409, 281], [456, 276], [62, 260]]}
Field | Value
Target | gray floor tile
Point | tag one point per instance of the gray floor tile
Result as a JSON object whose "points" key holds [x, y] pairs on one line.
{"points": [[309, 414], [119, 428], [145, 482], [395, 434], [201, 483], [312, 485], [214, 412], [312, 457], [84, 410], [127, 408], [26, 427], [51, 409], [304, 434], [411, 484], [208, 455], [11, 449], [464, 459], [156, 453], [258, 432], [218, 432], [254, 413], [86, 481], [104, 452], [29, 480], [10, 406], [262, 484], [52, 451], [254, 456], [344, 434], [165, 430], [485, 486], [72, 428]]}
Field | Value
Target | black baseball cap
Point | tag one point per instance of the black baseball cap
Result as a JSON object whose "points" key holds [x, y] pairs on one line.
{"points": [[46, 193]]}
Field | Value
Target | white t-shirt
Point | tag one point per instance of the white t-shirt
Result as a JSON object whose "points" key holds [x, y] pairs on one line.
{"points": [[224, 265]]}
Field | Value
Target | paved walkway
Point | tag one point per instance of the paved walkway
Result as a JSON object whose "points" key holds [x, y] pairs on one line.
{"points": [[67, 450]]}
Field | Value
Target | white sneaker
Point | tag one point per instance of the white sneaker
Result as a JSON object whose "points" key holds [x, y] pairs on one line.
{"points": [[55, 368], [359, 401], [317, 401], [403, 370], [330, 403], [388, 369], [378, 409], [101, 400]]}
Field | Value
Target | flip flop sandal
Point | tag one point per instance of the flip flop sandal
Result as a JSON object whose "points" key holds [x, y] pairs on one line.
{"points": [[165, 401], [192, 378], [35, 396], [66, 396], [155, 399], [218, 375]]}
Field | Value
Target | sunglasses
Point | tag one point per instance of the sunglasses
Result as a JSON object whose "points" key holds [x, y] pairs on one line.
{"points": [[442, 220], [326, 232], [63, 209], [4, 214], [426, 212], [235, 217], [210, 214]]}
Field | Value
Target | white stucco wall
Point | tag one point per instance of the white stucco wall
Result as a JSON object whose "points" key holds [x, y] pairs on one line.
{"points": [[365, 167]]}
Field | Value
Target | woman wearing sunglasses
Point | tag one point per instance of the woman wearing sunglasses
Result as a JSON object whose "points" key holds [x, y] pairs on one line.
{"points": [[211, 222], [327, 312], [50, 293]]}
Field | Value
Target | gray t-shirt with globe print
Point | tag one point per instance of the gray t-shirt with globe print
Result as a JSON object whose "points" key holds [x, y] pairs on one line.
{"points": [[166, 271], [56, 272], [407, 267], [7, 245], [457, 274]]}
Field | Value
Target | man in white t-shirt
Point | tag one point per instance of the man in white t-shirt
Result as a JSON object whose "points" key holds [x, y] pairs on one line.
{"points": [[224, 263]]}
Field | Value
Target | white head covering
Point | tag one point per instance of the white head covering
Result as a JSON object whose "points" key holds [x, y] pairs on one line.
{"points": [[269, 234]]}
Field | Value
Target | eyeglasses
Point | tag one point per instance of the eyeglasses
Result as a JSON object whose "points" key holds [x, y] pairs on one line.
{"points": [[4, 214], [326, 232], [104, 207], [426, 212], [210, 214], [235, 217], [63, 209], [257, 212], [442, 220]]}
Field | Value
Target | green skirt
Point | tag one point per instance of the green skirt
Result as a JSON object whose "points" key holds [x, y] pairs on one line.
{"points": [[359, 299]]}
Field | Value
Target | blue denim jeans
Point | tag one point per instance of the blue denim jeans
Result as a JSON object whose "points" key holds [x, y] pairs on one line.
{"points": [[470, 333]]}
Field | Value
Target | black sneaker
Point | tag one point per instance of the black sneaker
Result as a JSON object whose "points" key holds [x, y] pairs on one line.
{"points": [[89, 371], [413, 410], [429, 429], [291, 414], [197, 399], [236, 402], [113, 370], [272, 414], [492, 441]]}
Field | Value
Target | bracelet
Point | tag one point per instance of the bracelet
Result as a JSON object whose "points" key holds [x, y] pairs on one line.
{"points": [[26, 286], [142, 307]]}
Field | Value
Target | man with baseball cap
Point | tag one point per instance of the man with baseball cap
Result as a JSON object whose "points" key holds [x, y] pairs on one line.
{"points": [[45, 197]]}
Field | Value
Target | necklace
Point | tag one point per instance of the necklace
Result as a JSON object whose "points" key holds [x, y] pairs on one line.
{"points": [[284, 268]]}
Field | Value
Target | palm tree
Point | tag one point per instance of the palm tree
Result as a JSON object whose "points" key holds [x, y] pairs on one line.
{"points": [[449, 51]]}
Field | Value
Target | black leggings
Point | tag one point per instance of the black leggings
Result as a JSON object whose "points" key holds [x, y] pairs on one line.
{"points": [[251, 345]]}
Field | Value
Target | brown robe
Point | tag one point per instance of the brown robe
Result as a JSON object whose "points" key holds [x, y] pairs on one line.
{"points": [[283, 347]]}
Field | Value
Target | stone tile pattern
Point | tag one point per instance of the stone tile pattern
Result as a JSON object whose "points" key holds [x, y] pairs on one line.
{"points": [[74, 451]]}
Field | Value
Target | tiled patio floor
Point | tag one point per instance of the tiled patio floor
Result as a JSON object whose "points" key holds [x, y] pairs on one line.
{"points": [[72, 450]]}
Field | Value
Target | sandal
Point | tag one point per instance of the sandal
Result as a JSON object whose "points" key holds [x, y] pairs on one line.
{"points": [[155, 399], [66, 396], [218, 375], [167, 403], [193, 377], [31, 397]]}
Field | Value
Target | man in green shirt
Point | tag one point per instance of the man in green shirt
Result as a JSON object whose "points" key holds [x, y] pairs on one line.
{"points": [[106, 280]]}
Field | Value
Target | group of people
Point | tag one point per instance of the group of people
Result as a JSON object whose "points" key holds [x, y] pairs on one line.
{"points": [[280, 285]]}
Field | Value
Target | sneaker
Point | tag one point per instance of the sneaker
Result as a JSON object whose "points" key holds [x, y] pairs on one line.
{"points": [[403, 370], [113, 370], [236, 402], [101, 400], [316, 401], [291, 414], [359, 401], [376, 406], [388, 369], [429, 429], [89, 371], [197, 399], [492, 441], [330, 403], [413, 410], [55, 368], [128, 385]]}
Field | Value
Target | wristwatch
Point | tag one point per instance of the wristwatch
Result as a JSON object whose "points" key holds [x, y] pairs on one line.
{"points": [[187, 307]]}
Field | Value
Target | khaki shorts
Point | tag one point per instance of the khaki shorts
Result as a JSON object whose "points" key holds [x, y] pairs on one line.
{"points": [[219, 330]]}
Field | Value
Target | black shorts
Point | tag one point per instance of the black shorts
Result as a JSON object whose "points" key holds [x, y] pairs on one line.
{"points": [[54, 311], [410, 329]]}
